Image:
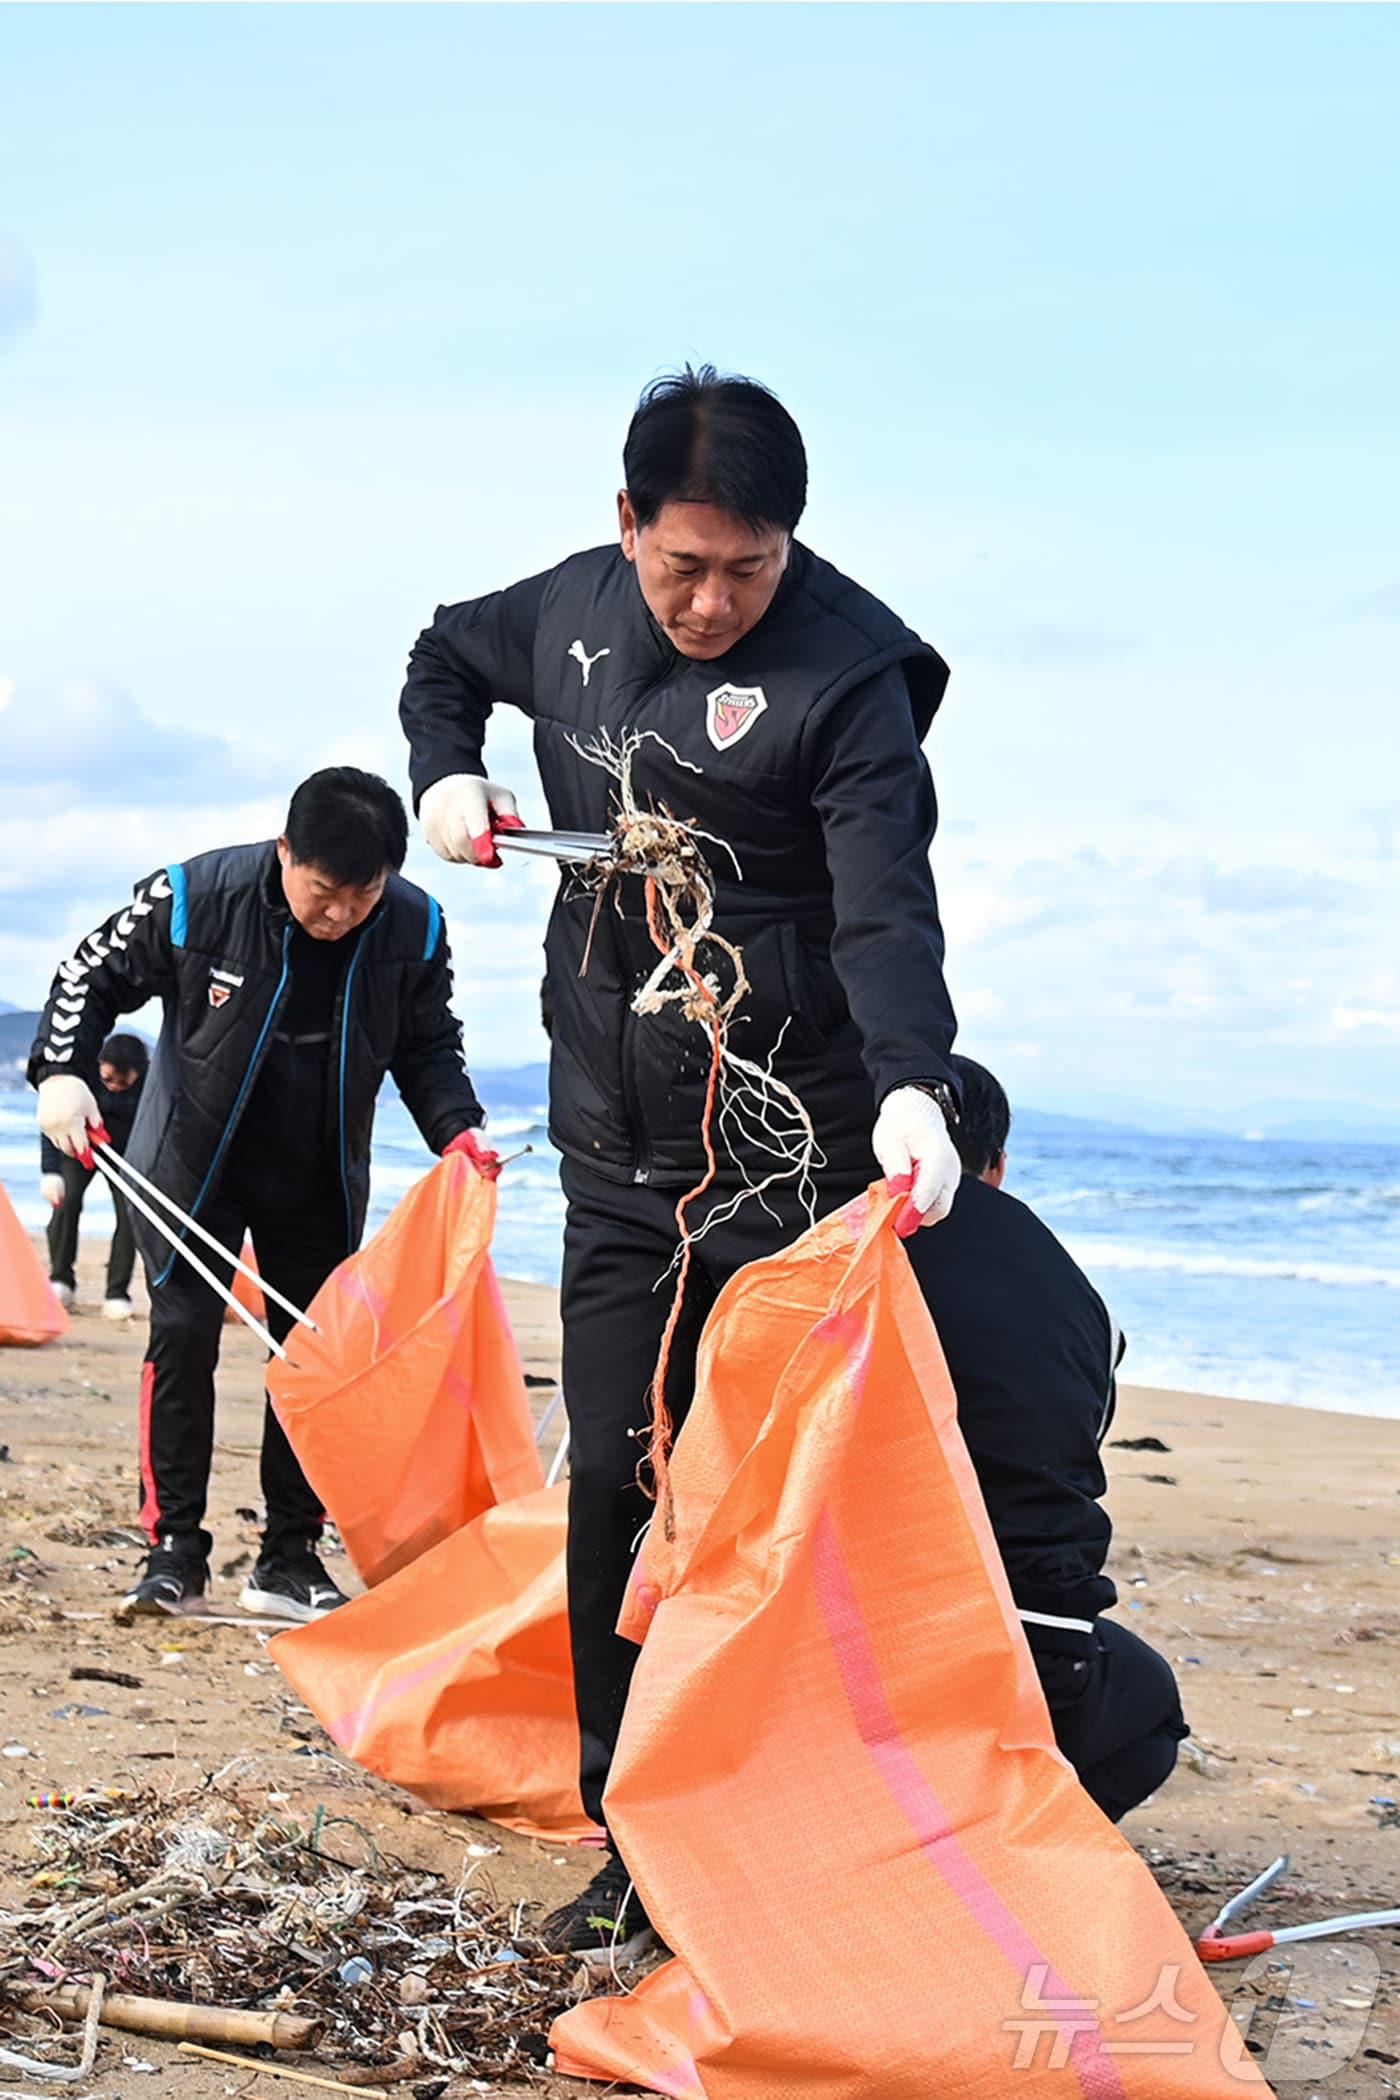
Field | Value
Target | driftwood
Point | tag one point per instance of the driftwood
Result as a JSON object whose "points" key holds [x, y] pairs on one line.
{"points": [[161, 2017]]}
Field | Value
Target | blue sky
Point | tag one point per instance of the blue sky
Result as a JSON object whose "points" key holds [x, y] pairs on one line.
{"points": [[313, 316]]}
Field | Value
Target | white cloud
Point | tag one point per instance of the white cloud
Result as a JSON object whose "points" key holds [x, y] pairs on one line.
{"points": [[1376, 1021], [976, 1003], [85, 742], [1211, 970]]}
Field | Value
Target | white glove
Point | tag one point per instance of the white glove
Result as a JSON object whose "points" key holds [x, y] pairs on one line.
{"points": [[52, 1189], [66, 1108], [911, 1139], [457, 813]]}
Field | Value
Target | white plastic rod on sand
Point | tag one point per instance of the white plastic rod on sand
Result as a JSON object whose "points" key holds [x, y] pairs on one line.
{"points": [[556, 1464], [542, 1426], [168, 1232], [117, 1159]]}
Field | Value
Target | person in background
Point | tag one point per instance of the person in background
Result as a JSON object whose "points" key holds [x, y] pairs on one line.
{"points": [[1033, 1352], [121, 1073], [294, 974]]}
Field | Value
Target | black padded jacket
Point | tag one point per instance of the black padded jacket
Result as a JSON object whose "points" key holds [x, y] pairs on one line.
{"points": [[209, 938]]}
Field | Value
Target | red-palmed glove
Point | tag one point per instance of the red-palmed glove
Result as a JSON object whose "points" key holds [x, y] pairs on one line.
{"points": [[486, 1162], [461, 814]]}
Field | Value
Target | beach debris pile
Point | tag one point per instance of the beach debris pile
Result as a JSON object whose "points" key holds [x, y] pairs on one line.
{"points": [[291, 1931]]}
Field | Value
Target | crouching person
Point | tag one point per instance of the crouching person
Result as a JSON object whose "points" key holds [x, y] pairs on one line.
{"points": [[1032, 1352], [294, 974]]}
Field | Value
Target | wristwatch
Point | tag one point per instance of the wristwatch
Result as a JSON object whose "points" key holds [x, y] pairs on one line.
{"points": [[943, 1094]]}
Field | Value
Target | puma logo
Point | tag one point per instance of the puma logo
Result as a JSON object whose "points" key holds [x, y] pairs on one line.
{"points": [[582, 658]]}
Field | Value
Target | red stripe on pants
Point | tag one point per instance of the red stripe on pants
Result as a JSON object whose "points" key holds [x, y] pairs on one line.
{"points": [[150, 1504]]}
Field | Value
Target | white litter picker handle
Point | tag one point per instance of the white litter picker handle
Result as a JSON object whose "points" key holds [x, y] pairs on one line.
{"points": [[557, 1463], [116, 1159], [168, 1232]]}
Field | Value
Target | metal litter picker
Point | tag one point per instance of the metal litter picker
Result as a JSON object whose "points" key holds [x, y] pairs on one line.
{"points": [[122, 1175], [1218, 1943]]}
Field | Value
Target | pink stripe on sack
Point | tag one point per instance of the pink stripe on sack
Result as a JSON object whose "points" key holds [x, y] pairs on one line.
{"points": [[681, 2084], [355, 1286], [458, 1388], [346, 1728], [879, 1731]]}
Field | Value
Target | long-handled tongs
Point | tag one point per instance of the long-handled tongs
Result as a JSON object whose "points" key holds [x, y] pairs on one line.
{"points": [[122, 1175], [574, 847], [1216, 1943]]}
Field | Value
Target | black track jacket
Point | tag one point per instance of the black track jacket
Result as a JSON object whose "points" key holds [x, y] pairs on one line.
{"points": [[209, 938], [799, 748]]}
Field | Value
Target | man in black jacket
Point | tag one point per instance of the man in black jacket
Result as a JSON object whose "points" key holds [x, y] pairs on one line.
{"points": [[121, 1074], [1032, 1352], [781, 708], [294, 974]]}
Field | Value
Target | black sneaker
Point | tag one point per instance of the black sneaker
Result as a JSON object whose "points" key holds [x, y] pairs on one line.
{"points": [[176, 1577], [605, 1924], [290, 1583]]}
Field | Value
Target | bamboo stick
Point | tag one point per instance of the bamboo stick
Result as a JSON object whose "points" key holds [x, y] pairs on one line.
{"points": [[163, 2018]]}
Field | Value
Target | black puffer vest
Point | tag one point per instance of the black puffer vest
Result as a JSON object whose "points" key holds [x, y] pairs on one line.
{"points": [[737, 747]]}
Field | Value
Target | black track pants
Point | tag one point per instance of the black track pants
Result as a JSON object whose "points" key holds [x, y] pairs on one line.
{"points": [[296, 1251], [618, 1245], [63, 1233], [1117, 1718]]}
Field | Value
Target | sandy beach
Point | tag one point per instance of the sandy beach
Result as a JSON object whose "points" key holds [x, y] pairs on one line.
{"points": [[1258, 1547]]}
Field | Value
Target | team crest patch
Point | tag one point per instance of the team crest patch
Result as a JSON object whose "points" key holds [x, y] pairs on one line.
{"points": [[731, 711], [222, 985]]}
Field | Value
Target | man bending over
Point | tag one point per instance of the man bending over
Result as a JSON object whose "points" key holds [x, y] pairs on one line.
{"points": [[294, 974]]}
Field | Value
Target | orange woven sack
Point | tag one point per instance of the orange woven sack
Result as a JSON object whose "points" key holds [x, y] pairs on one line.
{"points": [[836, 1784], [408, 1408], [29, 1307], [453, 1677]]}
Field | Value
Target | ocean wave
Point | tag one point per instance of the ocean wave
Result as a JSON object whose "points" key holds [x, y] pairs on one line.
{"points": [[1124, 1254], [1342, 1391], [1384, 1197]]}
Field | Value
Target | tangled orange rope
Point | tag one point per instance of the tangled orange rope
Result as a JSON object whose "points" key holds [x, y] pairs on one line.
{"points": [[658, 1449]]}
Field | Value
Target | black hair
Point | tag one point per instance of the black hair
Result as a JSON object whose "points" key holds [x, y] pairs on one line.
{"points": [[351, 825], [124, 1053], [985, 1121], [712, 437]]}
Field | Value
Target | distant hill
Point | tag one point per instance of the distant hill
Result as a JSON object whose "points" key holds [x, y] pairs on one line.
{"points": [[511, 1086], [16, 1034], [1290, 1121]]}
